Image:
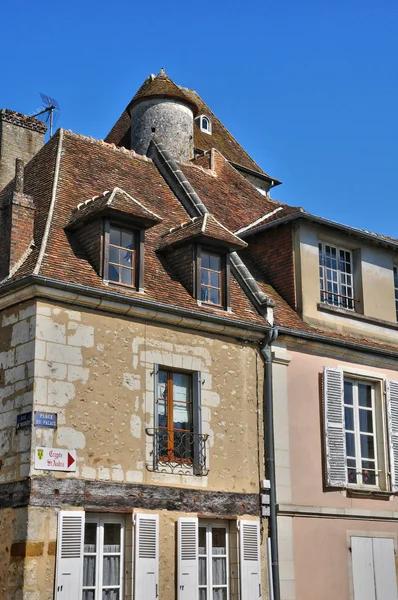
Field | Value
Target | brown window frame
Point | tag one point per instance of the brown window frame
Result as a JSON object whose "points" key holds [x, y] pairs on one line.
{"points": [[225, 277], [170, 413], [138, 270]]}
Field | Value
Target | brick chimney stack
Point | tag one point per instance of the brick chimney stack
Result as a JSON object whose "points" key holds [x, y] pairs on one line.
{"points": [[17, 211], [20, 137]]}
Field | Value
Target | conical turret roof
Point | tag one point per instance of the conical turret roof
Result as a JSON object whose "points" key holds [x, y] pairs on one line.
{"points": [[160, 86]]}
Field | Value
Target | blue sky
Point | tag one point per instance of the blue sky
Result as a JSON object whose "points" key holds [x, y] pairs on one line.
{"points": [[309, 88]]}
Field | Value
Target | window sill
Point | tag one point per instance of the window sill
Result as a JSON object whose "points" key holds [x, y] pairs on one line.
{"points": [[216, 307], [374, 494], [351, 314]]}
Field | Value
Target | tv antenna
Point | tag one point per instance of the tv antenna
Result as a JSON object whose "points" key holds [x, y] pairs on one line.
{"points": [[49, 111]]}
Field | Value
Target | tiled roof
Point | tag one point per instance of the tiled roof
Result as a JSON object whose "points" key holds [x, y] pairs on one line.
{"points": [[206, 227], [117, 201], [161, 86]]}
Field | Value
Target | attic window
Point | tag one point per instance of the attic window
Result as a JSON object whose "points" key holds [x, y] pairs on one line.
{"points": [[205, 124], [212, 278], [122, 252]]}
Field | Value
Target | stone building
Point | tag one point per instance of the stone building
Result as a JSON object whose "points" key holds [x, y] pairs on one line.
{"points": [[167, 329]]}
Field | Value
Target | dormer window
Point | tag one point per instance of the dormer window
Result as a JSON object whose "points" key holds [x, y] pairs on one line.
{"points": [[204, 124], [121, 266], [211, 278]]}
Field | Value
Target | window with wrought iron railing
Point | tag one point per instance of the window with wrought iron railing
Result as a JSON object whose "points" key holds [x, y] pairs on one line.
{"points": [[336, 276]]}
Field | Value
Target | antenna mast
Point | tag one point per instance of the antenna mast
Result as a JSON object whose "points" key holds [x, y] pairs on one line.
{"points": [[49, 111]]}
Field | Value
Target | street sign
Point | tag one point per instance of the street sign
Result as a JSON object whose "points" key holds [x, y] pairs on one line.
{"points": [[44, 419], [24, 420], [55, 459]]}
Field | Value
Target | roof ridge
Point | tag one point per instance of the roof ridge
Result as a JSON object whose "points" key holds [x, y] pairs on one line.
{"points": [[101, 143], [50, 214]]}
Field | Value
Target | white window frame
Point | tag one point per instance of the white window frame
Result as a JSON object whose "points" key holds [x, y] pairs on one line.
{"points": [[357, 433], [207, 130], [100, 520], [209, 556], [395, 271], [336, 299]]}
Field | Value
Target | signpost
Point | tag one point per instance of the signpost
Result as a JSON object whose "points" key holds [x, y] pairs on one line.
{"points": [[55, 459]]}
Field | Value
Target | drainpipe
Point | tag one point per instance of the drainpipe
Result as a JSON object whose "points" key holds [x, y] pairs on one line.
{"points": [[269, 451]]}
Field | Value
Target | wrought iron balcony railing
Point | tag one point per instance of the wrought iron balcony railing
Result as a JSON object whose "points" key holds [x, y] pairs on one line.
{"points": [[178, 452]]}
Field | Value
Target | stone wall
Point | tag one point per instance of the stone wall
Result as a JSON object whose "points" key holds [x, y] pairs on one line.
{"points": [[17, 347]]}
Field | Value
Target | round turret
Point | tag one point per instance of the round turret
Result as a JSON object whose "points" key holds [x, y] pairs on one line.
{"points": [[161, 108]]}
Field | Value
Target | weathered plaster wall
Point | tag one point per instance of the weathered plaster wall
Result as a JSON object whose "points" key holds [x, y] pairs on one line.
{"points": [[17, 334], [97, 373]]}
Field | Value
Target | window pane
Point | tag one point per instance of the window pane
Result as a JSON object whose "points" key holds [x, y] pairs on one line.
{"points": [[352, 476], [115, 236], [364, 394], [204, 294], [367, 446], [350, 444], [89, 595], [89, 570], [214, 296], [366, 421], [220, 594], [113, 273], [202, 540], [112, 537], [219, 540], [111, 570], [215, 279], [127, 239], [205, 260], [202, 571], [162, 384], [219, 567], [347, 392], [127, 276], [114, 255], [162, 413], [181, 416], [205, 277], [127, 258], [349, 418], [202, 594], [90, 537], [110, 594], [215, 262], [369, 477], [181, 387]]}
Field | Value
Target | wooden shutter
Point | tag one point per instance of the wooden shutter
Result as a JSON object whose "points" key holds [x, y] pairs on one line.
{"points": [[250, 564], [373, 568], [198, 450], [146, 574], [362, 568], [333, 406], [188, 565], [392, 413], [69, 567]]}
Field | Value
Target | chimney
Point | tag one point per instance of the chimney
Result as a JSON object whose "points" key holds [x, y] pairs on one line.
{"points": [[17, 211], [20, 137]]}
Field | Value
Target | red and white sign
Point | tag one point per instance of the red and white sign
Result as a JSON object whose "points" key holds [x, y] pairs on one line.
{"points": [[55, 459]]}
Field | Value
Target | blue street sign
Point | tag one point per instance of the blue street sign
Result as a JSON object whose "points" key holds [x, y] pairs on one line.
{"points": [[43, 419], [24, 420]]}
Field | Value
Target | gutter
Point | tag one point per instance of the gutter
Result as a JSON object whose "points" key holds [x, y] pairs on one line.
{"points": [[131, 306], [269, 453]]}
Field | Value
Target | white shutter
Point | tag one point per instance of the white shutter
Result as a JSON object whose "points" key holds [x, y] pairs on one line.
{"points": [[392, 412], [362, 568], [250, 564], [188, 565], [333, 406], [69, 567], [384, 569], [146, 574]]}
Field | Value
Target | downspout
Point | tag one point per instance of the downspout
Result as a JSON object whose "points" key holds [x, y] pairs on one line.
{"points": [[269, 452]]}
